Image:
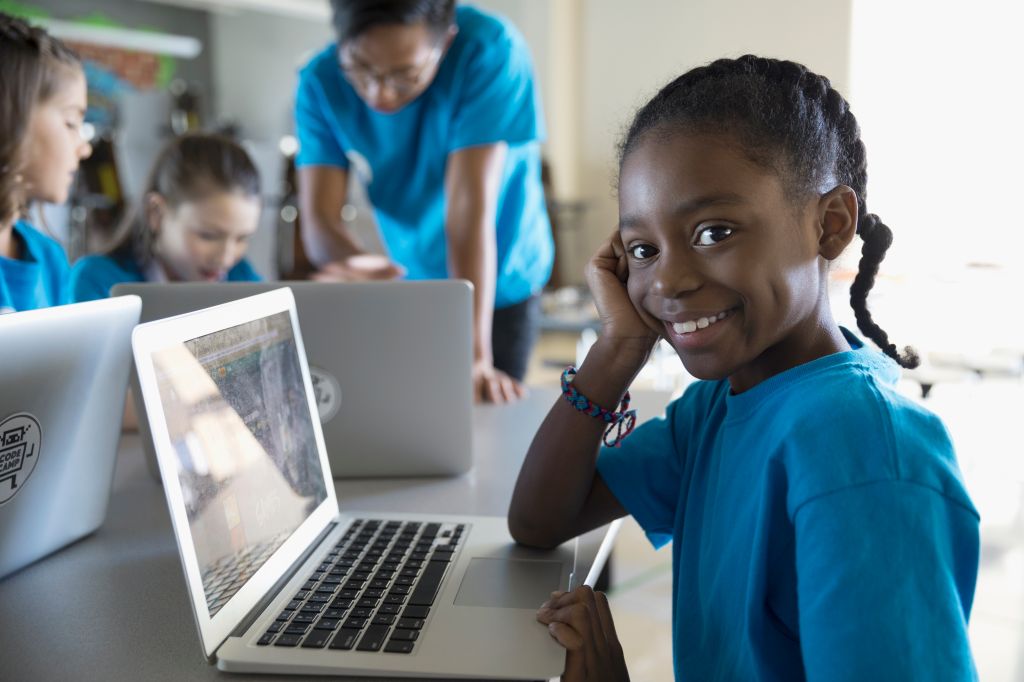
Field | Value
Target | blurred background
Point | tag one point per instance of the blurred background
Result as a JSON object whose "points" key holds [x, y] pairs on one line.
{"points": [[935, 86]]}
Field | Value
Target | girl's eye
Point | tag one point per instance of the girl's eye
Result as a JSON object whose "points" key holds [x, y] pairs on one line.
{"points": [[642, 251], [709, 236], [209, 237]]}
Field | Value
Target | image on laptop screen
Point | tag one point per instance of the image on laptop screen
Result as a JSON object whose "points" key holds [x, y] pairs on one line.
{"points": [[238, 418]]}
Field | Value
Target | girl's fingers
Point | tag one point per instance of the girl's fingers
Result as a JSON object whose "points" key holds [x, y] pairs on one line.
{"points": [[618, 661], [604, 617], [607, 249], [577, 612], [561, 614], [558, 599], [562, 599], [607, 257], [581, 621], [585, 620], [566, 635], [621, 267]]}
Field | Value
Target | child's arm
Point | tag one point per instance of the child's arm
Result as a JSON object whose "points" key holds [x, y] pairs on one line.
{"points": [[558, 494]]}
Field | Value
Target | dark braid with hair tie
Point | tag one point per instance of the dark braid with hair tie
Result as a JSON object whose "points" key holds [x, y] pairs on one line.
{"points": [[877, 238], [792, 121]]}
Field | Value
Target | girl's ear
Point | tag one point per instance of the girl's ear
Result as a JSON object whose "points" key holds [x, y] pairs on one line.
{"points": [[837, 216]]}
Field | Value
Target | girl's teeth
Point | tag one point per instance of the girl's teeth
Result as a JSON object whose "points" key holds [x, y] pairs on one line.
{"points": [[693, 325]]}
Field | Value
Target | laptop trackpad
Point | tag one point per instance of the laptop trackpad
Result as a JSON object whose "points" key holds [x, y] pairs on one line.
{"points": [[508, 583]]}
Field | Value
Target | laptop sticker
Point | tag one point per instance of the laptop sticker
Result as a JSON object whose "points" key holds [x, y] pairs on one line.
{"points": [[20, 438], [327, 392]]}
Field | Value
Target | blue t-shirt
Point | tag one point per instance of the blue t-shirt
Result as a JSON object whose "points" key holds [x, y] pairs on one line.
{"points": [[38, 278], [820, 528], [483, 93], [93, 276]]}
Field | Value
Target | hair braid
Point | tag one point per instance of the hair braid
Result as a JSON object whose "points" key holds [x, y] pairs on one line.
{"points": [[789, 119], [876, 236]]}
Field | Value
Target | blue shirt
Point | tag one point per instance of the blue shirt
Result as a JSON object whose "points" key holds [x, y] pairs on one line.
{"points": [[483, 93], [38, 278], [820, 528], [93, 276]]}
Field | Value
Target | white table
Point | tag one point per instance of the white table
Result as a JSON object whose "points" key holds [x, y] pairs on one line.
{"points": [[114, 606]]}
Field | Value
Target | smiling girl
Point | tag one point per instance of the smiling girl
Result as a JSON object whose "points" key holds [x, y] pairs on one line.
{"points": [[819, 524], [42, 106], [200, 207]]}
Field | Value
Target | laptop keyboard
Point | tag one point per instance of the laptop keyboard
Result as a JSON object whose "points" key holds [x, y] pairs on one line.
{"points": [[373, 591]]}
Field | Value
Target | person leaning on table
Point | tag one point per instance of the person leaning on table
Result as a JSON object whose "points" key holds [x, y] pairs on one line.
{"points": [[435, 110]]}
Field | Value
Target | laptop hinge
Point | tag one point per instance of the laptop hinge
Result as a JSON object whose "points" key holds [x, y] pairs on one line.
{"points": [[261, 606]]}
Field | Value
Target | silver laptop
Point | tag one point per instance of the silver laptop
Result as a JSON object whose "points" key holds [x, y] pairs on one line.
{"points": [[391, 365], [63, 373], [279, 580]]}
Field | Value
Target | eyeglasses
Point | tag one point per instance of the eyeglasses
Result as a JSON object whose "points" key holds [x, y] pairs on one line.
{"points": [[401, 82]]}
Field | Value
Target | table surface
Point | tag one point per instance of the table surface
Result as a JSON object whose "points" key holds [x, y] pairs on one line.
{"points": [[114, 606]]}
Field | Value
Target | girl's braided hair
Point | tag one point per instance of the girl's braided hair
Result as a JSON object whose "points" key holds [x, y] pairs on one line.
{"points": [[793, 121], [32, 65]]}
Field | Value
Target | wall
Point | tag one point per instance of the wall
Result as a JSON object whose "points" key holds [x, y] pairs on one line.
{"points": [[256, 58]]}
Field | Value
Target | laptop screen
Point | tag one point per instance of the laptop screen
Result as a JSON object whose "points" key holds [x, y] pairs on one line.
{"points": [[238, 419]]}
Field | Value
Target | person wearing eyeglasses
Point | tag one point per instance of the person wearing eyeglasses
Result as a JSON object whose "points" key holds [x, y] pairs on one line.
{"points": [[434, 109]]}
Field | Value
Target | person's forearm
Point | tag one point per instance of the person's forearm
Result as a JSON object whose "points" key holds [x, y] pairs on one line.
{"points": [[558, 474], [472, 182], [472, 255], [327, 240], [323, 191]]}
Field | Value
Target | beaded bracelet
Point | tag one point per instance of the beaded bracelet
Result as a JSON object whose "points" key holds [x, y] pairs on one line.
{"points": [[621, 423]]}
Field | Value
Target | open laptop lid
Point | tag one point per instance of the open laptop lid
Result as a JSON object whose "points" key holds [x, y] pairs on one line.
{"points": [[63, 373], [362, 339], [243, 463]]}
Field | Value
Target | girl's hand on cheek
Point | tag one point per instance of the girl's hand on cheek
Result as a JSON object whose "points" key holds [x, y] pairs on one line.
{"points": [[606, 275]]}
